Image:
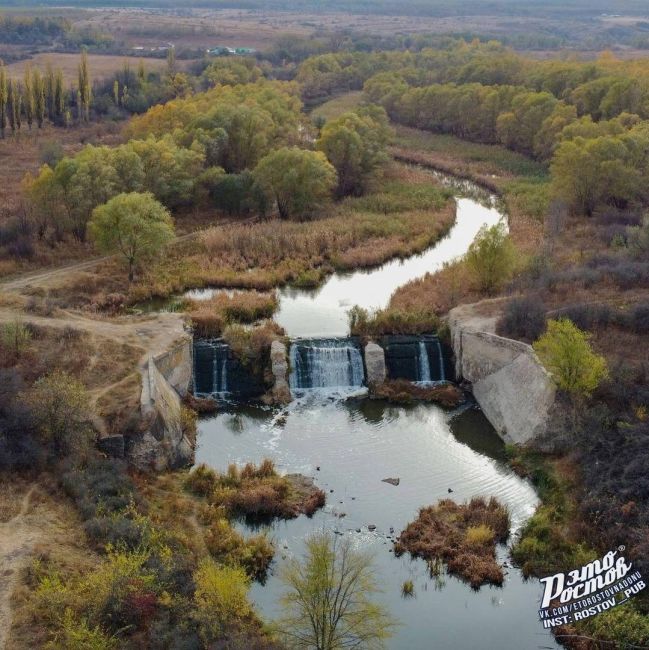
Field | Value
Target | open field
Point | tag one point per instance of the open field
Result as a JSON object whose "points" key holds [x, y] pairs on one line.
{"points": [[336, 107], [100, 65]]}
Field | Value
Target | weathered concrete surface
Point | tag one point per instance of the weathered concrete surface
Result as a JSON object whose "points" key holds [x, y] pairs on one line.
{"points": [[375, 364], [281, 392], [164, 444], [176, 366], [511, 385]]}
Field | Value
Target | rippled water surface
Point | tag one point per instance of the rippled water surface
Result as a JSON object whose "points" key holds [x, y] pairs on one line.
{"points": [[358, 443]]}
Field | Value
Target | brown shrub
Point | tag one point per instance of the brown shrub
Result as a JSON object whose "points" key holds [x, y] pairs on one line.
{"points": [[210, 317], [402, 391], [258, 492], [462, 535]]}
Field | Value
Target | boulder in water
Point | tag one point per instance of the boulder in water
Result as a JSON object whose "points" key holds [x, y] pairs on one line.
{"points": [[391, 481]]}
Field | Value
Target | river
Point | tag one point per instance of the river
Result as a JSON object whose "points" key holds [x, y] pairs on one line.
{"points": [[350, 445]]}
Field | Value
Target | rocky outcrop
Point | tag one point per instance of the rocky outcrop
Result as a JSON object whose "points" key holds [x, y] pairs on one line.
{"points": [[509, 382], [375, 364], [281, 392], [163, 443]]}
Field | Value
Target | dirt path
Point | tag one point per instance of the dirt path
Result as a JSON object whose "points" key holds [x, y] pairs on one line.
{"points": [[35, 277], [17, 539]]}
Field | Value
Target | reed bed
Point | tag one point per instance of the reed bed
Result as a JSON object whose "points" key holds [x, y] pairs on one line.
{"points": [[210, 317], [464, 536]]}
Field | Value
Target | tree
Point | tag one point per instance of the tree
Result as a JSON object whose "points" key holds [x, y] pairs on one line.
{"points": [[38, 90], [48, 88], [329, 603], [355, 145], [134, 225], [491, 258], [13, 105], [565, 351], [298, 181], [28, 99], [83, 92], [59, 94], [60, 405], [3, 100]]}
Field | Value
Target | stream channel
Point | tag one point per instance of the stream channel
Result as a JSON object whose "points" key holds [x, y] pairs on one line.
{"points": [[350, 445]]}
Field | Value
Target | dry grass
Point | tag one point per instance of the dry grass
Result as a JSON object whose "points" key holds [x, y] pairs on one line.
{"points": [[462, 535], [210, 317], [358, 233], [100, 65], [436, 293], [336, 107], [401, 391], [58, 539], [256, 492]]}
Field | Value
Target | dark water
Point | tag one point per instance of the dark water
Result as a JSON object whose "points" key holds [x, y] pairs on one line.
{"points": [[356, 443]]}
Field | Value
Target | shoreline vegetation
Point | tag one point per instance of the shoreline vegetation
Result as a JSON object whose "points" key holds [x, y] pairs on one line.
{"points": [[390, 223]]}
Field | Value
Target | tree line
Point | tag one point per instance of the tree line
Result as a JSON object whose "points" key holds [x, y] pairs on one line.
{"points": [[603, 89], [587, 121], [244, 148], [41, 97]]}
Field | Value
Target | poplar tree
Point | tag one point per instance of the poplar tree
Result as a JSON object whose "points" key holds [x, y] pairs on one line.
{"points": [[116, 92], [59, 94], [84, 94], [28, 99], [3, 100], [18, 100], [140, 70], [38, 90], [12, 105], [171, 61], [48, 90]]}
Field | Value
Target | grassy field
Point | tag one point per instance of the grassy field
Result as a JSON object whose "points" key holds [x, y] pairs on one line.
{"points": [[336, 107], [484, 159], [100, 65]]}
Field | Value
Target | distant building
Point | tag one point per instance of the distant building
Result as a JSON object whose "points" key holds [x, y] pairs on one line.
{"points": [[224, 50]]}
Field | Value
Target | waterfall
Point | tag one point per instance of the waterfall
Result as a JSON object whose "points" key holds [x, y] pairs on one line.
{"points": [[414, 358], [442, 373], [424, 365], [323, 363], [211, 361]]}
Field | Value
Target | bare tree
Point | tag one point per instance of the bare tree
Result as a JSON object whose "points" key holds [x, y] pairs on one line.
{"points": [[329, 603]]}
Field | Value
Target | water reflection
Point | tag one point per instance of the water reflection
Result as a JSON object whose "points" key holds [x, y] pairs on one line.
{"points": [[349, 447]]}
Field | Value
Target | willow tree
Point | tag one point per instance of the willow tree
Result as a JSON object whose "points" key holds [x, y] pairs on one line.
{"points": [[330, 604], [300, 182], [133, 225], [355, 145]]}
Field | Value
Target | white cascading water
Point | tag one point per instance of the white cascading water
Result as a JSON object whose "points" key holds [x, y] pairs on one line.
{"points": [[442, 373], [219, 370], [326, 364], [424, 365]]}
